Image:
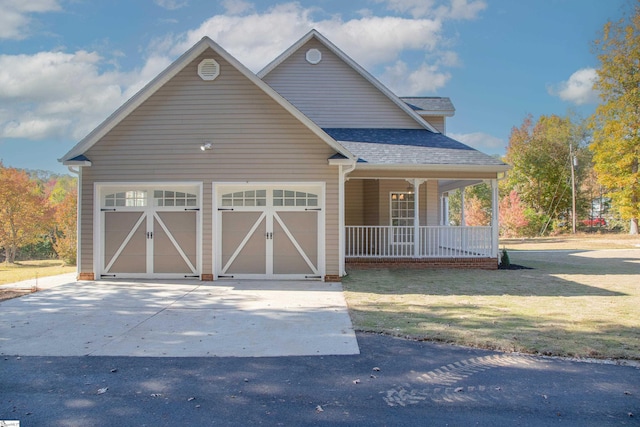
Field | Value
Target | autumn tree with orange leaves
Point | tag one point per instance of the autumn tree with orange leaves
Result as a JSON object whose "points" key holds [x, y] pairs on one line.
{"points": [[24, 213], [65, 232]]}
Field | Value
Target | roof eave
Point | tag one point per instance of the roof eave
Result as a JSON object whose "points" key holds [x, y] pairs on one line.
{"points": [[430, 113], [434, 167]]}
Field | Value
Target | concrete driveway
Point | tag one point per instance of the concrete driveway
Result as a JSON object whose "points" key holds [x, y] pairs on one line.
{"points": [[179, 319]]}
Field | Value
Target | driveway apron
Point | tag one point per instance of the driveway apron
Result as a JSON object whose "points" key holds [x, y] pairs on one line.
{"points": [[179, 319]]}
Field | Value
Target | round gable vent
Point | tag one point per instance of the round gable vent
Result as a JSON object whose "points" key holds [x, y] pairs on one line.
{"points": [[208, 69], [314, 56]]}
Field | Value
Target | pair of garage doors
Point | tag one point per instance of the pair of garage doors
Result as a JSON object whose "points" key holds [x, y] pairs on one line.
{"points": [[265, 231]]}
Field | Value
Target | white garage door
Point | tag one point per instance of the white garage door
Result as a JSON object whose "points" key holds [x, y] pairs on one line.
{"points": [[270, 232], [149, 232]]}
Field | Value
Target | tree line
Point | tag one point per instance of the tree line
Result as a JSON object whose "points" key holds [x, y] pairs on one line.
{"points": [[37, 215], [566, 168]]}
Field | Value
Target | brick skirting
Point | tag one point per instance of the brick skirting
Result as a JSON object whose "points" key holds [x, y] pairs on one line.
{"points": [[332, 278], [86, 276], [461, 263]]}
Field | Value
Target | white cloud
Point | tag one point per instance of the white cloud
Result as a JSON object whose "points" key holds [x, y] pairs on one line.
{"points": [[466, 9], [255, 39], [578, 89], [452, 9], [404, 82], [15, 16], [481, 141], [65, 95], [237, 7], [171, 4], [56, 95]]}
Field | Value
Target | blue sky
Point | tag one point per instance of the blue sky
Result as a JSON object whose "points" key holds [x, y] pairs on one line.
{"points": [[65, 65]]}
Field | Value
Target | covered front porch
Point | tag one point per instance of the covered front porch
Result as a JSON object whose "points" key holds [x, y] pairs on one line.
{"points": [[406, 220]]}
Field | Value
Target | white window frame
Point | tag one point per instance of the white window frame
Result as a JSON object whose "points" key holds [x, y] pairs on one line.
{"points": [[404, 236]]}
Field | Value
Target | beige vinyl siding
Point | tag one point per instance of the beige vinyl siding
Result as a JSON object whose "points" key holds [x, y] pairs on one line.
{"points": [[333, 94], [354, 197], [437, 122], [253, 137], [371, 202], [372, 207]]}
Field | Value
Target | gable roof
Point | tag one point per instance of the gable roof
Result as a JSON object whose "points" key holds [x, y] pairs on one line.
{"points": [[411, 148], [314, 34], [178, 65], [430, 105]]}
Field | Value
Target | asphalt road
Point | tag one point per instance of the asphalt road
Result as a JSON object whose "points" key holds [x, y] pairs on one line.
{"points": [[393, 382]]}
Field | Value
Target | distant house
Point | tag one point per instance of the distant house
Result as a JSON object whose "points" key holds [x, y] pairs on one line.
{"points": [[214, 172]]}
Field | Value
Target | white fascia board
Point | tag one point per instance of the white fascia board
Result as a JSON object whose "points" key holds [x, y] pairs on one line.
{"points": [[364, 73], [343, 162], [430, 113], [75, 162], [173, 69]]}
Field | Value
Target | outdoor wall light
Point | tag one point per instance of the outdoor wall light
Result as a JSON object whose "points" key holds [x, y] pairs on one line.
{"points": [[206, 146]]}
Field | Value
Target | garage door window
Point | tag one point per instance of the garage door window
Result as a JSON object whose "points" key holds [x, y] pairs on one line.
{"points": [[245, 198], [294, 198], [126, 198], [174, 198]]}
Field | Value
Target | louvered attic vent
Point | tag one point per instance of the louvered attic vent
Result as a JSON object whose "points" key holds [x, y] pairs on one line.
{"points": [[314, 56], [208, 69]]}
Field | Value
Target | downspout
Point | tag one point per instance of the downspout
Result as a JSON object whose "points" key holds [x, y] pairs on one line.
{"points": [[78, 172], [342, 176]]}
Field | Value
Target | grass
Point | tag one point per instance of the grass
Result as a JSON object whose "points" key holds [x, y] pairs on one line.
{"points": [[580, 303], [27, 270]]}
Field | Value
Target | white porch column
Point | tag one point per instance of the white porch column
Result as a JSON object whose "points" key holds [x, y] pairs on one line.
{"points": [[416, 215], [444, 209], [463, 219], [495, 224]]}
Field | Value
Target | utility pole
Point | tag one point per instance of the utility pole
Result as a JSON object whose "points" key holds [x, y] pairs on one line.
{"points": [[574, 162]]}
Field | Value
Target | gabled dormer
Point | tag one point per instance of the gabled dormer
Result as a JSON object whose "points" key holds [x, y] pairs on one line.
{"points": [[334, 91], [433, 109]]}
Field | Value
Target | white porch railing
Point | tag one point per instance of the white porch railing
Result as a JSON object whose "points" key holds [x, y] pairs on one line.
{"points": [[434, 242]]}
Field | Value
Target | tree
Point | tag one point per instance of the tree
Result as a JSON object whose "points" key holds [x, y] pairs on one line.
{"points": [[475, 213], [540, 154], [616, 122], [512, 215], [24, 215], [65, 236]]}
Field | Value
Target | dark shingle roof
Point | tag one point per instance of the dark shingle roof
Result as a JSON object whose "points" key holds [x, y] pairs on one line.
{"points": [[408, 147], [432, 104]]}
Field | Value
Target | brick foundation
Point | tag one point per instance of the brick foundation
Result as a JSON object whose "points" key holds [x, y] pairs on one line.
{"points": [[332, 278], [457, 263], [206, 277], [86, 276]]}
